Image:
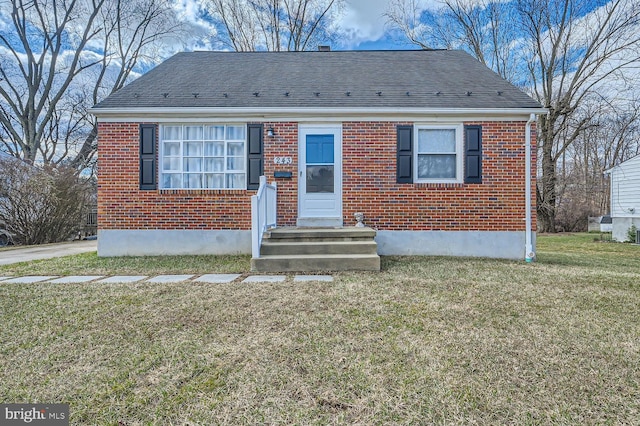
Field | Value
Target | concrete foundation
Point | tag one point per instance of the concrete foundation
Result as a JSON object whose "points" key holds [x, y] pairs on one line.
{"points": [[494, 244], [621, 225], [172, 242], [506, 245]]}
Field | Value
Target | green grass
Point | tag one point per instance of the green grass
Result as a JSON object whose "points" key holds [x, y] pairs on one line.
{"points": [[586, 250], [91, 264], [426, 341]]}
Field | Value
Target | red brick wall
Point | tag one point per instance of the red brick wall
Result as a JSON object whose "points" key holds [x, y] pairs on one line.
{"points": [[284, 143], [369, 185], [121, 204]]}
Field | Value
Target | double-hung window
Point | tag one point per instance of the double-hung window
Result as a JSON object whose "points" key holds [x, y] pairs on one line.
{"points": [[438, 153], [208, 156]]}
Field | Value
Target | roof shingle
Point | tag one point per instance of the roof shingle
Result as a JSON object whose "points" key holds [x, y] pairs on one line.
{"points": [[345, 79]]}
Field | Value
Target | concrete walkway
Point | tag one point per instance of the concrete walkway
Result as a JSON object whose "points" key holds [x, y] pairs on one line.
{"points": [[46, 251]]}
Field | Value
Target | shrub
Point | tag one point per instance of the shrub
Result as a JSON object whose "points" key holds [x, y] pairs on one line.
{"points": [[41, 205], [632, 233], [572, 215]]}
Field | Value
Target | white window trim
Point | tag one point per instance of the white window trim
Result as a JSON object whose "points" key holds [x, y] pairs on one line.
{"points": [[459, 129], [161, 171]]}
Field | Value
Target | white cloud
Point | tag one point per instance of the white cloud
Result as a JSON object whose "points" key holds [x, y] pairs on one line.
{"points": [[191, 12], [364, 20], [189, 9]]}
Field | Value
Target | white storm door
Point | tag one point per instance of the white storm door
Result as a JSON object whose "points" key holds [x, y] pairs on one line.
{"points": [[320, 174]]}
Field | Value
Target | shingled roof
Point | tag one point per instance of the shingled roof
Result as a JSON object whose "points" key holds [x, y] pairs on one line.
{"points": [[339, 79]]}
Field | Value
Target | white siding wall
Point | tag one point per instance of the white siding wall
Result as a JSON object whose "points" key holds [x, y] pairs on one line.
{"points": [[625, 188], [625, 196]]}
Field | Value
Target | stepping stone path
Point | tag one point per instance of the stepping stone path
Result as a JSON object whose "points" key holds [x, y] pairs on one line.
{"points": [[123, 279], [76, 279], [28, 280], [264, 279], [217, 278], [207, 278], [170, 278]]}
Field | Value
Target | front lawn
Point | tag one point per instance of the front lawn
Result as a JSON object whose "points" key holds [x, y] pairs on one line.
{"points": [[91, 264], [428, 340]]}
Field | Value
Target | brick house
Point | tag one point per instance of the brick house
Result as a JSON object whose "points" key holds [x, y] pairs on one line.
{"points": [[431, 146]]}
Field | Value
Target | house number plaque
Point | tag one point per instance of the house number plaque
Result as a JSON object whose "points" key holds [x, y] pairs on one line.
{"points": [[282, 160]]}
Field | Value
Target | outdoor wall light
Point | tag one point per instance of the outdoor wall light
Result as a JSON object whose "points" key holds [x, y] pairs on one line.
{"points": [[270, 132]]}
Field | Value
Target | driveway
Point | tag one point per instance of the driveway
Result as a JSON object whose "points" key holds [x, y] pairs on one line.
{"points": [[46, 251]]}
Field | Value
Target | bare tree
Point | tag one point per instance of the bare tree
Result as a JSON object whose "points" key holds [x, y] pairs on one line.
{"points": [[274, 25], [58, 58], [406, 16], [582, 185], [574, 53], [564, 52], [37, 70], [135, 32], [482, 27]]}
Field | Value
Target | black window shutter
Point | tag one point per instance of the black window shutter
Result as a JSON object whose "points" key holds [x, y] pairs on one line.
{"points": [[254, 155], [148, 159], [473, 154], [404, 164]]}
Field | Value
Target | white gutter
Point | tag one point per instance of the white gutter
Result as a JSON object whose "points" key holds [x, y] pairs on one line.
{"points": [[530, 254], [275, 112]]}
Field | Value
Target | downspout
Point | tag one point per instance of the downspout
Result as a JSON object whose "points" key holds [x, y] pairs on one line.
{"points": [[529, 252]]}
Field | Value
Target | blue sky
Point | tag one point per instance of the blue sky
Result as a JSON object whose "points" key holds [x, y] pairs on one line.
{"points": [[365, 20], [362, 24]]}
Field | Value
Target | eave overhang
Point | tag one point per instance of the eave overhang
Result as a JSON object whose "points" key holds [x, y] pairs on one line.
{"points": [[285, 114]]}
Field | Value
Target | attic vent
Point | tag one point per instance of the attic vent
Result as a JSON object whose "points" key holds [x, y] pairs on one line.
{"points": [[324, 48]]}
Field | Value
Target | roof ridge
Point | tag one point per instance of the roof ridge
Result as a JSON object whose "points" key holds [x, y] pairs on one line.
{"points": [[318, 51]]}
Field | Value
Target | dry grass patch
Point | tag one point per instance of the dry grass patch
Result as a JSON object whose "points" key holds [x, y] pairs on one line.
{"points": [[91, 264], [428, 340]]}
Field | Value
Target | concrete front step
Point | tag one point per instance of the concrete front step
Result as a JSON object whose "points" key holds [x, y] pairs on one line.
{"points": [[317, 250], [285, 247], [322, 234], [308, 263]]}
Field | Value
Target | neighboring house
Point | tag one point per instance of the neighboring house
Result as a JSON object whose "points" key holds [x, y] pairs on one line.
{"points": [[606, 224], [593, 223], [625, 197], [599, 224], [431, 146]]}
